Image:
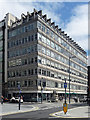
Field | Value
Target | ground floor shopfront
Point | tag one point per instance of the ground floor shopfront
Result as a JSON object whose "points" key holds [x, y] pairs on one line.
{"points": [[35, 96]]}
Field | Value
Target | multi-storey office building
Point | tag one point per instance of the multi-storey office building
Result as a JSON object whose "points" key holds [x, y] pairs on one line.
{"points": [[38, 55], [2, 28], [4, 25]]}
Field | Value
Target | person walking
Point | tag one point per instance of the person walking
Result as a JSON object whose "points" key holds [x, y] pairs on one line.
{"points": [[2, 99]]}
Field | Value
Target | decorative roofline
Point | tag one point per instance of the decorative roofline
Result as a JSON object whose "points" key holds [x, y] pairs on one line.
{"points": [[59, 30]]}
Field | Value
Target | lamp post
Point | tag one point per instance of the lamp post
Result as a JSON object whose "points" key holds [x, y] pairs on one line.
{"points": [[19, 94], [41, 90], [69, 75]]}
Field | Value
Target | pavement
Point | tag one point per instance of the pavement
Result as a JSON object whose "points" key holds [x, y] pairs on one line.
{"points": [[13, 108], [8, 108], [78, 112]]}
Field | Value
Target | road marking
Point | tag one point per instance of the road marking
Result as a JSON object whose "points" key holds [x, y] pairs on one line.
{"points": [[9, 113], [57, 116]]}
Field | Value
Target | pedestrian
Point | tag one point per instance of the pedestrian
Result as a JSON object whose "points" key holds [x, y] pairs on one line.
{"points": [[2, 99]]}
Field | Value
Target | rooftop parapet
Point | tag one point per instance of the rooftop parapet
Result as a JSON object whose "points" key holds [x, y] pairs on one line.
{"points": [[30, 16]]}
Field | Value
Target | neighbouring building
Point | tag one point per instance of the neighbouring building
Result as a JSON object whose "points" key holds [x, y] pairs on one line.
{"points": [[38, 59], [89, 81], [4, 26]]}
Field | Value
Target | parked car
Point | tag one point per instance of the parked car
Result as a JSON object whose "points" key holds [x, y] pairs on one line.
{"points": [[83, 99], [61, 98], [53, 99], [15, 100], [75, 99]]}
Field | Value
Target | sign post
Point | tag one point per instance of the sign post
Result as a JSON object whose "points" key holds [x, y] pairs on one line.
{"points": [[65, 108], [65, 104], [65, 86]]}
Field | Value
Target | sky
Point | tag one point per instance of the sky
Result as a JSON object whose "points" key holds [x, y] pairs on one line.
{"points": [[72, 17]]}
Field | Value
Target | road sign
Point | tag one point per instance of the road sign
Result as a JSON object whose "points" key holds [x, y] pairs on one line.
{"points": [[65, 107], [20, 91], [65, 85]]}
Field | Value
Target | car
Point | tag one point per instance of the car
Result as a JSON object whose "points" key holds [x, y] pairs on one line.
{"points": [[15, 100], [83, 99], [54, 99], [75, 99]]}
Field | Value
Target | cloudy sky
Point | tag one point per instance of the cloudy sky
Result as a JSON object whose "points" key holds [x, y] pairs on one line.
{"points": [[72, 17]]}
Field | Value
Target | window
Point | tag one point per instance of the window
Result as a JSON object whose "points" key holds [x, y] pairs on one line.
{"points": [[39, 37], [31, 26], [39, 59], [48, 42], [62, 85], [32, 38], [48, 73], [47, 31], [55, 75], [32, 72], [52, 54], [1, 35], [59, 40], [35, 36], [56, 65], [48, 62], [44, 84], [39, 25], [17, 73], [29, 83], [43, 28], [44, 39], [52, 64], [32, 60], [52, 74], [44, 61], [22, 41], [52, 34], [52, 44], [56, 47], [24, 61], [43, 50], [36, 59], [44, 72], [24, 72], [36, 71], [29, 50], [28, 72], [35, 48], [39, 48], [32, 48], [48, 52], [29, 38], [26, 39], [56, 84], [59, 49], [19, 41], [39, 71], [25, 83]]}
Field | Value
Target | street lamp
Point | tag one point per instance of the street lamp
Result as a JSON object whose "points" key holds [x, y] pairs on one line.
{"points": [[69, 75], [41, 90], [19, 94]]}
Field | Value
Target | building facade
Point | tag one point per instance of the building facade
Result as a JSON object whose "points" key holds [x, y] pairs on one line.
{"points": [[38, 58], [4, 26]]}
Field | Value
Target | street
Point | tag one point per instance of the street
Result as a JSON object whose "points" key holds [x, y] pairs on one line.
{"points": [[42, 112]]}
